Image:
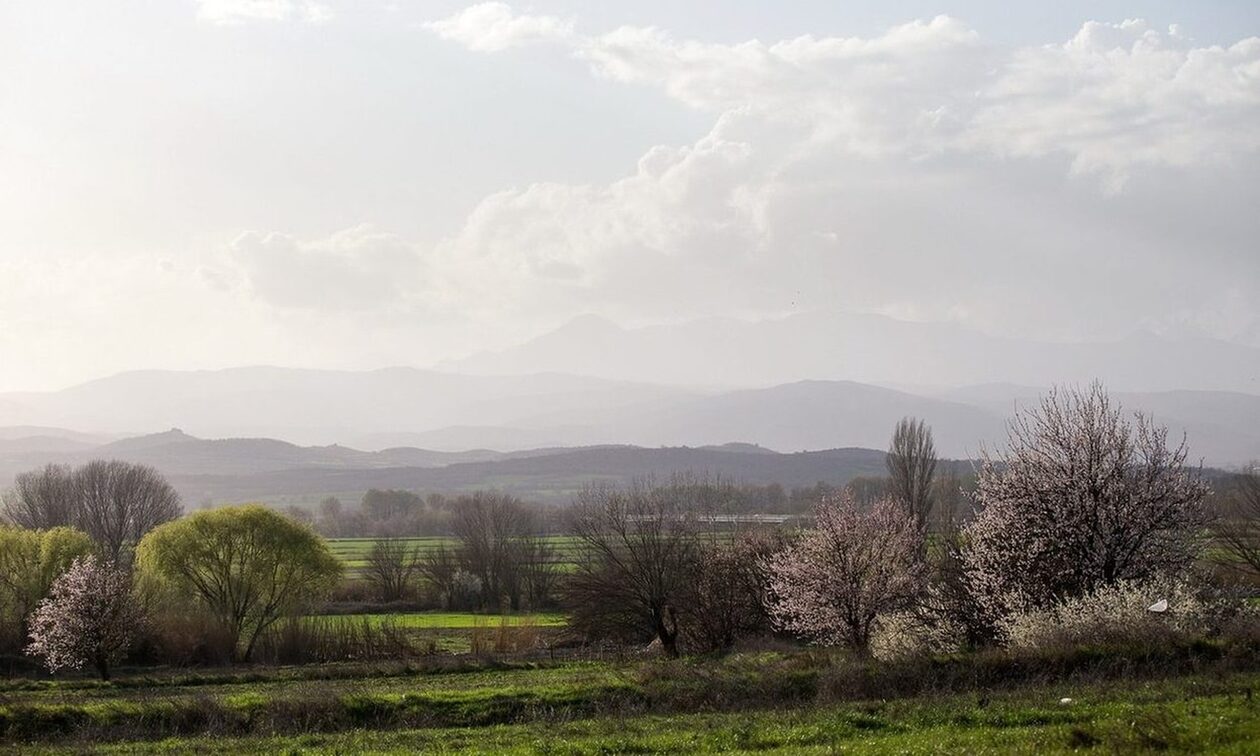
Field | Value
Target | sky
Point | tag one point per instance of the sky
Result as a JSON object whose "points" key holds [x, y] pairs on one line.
{"points": [[202, 184]]}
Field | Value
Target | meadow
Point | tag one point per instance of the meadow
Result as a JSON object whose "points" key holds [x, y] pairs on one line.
{"points": [[1197, 698]]}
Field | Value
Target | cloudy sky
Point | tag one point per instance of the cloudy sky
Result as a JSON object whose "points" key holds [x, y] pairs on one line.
{"points": [[356, 184]]}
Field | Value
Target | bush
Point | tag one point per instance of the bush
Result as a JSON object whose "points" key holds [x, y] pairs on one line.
{"points": [[1119, 614]]}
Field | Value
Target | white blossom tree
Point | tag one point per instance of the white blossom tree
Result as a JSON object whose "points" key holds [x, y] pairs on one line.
{"points": [[1080, 499], [835, 583], [88, 618]]}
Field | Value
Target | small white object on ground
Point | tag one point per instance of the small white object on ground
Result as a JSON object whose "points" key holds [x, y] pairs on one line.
{"points": [[1065, 701], [1158, 606]]}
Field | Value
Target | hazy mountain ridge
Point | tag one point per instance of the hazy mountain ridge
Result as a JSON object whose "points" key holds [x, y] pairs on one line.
{"points": [[869, 349]]}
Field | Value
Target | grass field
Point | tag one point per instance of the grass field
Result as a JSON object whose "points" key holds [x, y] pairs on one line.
{"points": [[353, 552], [1192, 715], [1195, 698], [458, 620]]}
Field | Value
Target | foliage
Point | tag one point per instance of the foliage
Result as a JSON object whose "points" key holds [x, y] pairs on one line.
{"points": [[30, 561], [1120, 613], [112, 501], [247, 565], [837, 581], [88, 618], [1079, 500]]}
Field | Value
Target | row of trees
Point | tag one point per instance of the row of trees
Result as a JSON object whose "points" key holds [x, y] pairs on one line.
{"points": [[499, 562], [1079, 499]]}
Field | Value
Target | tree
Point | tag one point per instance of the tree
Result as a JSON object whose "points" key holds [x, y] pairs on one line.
{"points": [[911, 464], [637, 551], [835, 583], [1238, 530], [88, 618], [440, 567], [1079, 500], [30, 561], [392, 566], [248, 565], [119, 502], [491, 529], [727, 598], [43, 499], [113, 502]]}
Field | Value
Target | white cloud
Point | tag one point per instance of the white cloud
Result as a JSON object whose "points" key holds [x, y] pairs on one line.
{"points": [[921, 171], [244, 11], [356, 269], [492, 27]]}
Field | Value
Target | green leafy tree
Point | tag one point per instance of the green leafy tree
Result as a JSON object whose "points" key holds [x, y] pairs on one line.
{"points": [[30, 561], [248, 566]]}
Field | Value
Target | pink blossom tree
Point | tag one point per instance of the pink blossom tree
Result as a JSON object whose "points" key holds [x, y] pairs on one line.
{"points": [[1080, 499], [835, 583], [88, 618]]}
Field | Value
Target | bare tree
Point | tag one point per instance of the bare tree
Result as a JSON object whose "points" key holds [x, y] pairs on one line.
{"points": [[637, 554], [42, 499], [1238, 530], [911, 464], [727, 598], [1079, 500], [119, 502], [439, 567], [392, 566], [851, 569], [490, 528]]}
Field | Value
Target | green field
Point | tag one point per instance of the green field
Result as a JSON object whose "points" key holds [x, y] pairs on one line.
{"points": [[749, 703], [455, 620], [353, 552]]}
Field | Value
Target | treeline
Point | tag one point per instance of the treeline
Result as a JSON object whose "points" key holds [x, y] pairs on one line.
{"points": [[391, 513], [1086, 527]]}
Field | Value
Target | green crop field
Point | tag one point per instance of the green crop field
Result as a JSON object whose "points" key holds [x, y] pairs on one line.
{"points": [[786, 702], [353, 552], [457, 620]]}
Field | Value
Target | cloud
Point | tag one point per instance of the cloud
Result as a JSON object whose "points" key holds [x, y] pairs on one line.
{"points": [[353, 270], [924, 173], [492, 27], [245, 11]]}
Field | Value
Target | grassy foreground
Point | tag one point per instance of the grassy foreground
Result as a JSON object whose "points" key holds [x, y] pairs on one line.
{"points": [[1194, 714], [1193, 696]]}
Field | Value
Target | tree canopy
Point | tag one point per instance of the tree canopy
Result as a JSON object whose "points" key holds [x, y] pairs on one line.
{"points": [[248, 565]]}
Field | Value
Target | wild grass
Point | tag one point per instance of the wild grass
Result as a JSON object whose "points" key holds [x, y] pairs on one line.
{"points": [[478, 697], [1197, 714]]}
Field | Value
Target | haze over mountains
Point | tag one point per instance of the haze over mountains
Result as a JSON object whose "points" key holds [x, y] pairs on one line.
{"points": [[869, 349], [274, 432]]}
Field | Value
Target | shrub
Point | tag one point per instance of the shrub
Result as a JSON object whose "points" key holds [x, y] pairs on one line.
{"points": [[1119, 614]]}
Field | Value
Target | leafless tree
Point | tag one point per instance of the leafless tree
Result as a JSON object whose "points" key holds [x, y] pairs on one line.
{"points": [[1080, 499], [42, 499], [119, 502], [439, 567], [727, 596], [1238, 530], [637, 555], [392, 566], [911, 464], [490, 528], [112, 501]]}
